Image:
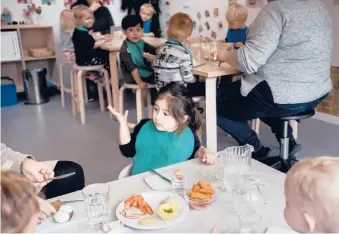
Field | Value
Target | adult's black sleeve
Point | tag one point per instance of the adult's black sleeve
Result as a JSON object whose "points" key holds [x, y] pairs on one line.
{"points": [[103, 20]]}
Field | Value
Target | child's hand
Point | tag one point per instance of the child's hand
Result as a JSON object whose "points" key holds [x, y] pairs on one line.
{"points": [[206, 156], [239, 44], [143, 85], [121, 118]]}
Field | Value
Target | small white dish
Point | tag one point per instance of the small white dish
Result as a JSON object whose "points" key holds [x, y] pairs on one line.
{"points": [[157, 184]]}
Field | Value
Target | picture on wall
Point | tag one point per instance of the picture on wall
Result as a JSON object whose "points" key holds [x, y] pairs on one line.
{"points": [[47, 2], [107, 2], [68, 3], [25, 1]]}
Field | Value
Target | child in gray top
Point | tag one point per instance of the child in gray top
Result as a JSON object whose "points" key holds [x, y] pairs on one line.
{"points": [[66, 31]]}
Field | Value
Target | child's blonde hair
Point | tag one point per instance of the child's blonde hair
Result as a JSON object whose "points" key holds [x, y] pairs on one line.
{"points": [[18, 202], [236, 13], [315, 183], [180, 26], [148, 7], [67, 23], [79, 12]]}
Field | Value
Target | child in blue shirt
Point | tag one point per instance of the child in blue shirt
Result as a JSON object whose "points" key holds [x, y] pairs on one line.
{"points": [[169, 137], [236, 17], [146, 13]]}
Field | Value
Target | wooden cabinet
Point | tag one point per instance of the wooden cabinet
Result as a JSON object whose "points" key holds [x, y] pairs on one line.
{"points": [[16, 40]]}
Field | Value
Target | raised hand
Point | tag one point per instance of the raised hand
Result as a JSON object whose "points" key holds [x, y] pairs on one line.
{"points": [[121, 118]]}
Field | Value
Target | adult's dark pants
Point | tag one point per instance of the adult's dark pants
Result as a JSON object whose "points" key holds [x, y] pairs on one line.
{"points": [[66, 185], [234, 110]]}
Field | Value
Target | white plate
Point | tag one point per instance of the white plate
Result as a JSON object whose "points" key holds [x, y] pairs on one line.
{"points": [[154, 199], [156, 183]]}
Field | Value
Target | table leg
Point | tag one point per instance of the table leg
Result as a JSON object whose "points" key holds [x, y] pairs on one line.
{"points": [[114, 78], [211, 113]]}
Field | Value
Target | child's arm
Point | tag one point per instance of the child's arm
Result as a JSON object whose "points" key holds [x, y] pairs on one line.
{"points": [[124, 134], [206, 156], [101, 42], [149, 49], [149, 34], [138, 80], [186, 70]]}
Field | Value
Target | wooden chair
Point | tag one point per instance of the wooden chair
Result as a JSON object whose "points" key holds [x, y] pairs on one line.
{"points": [[79, 90], [139, 101], [126, 172], [63, 89]]}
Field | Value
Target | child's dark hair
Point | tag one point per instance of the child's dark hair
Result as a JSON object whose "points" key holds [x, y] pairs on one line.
{"points": [[181, 104], [131, 21]]}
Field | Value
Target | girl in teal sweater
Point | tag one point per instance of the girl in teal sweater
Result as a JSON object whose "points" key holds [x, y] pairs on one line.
{"points": [[169, 137]]}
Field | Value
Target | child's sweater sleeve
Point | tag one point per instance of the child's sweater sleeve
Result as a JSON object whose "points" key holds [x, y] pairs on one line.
{"points": [[186, 70], [125, 59], [128, 150], [149, 49]]}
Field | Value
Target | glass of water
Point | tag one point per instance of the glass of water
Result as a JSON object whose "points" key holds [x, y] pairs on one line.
{"points": [[96, 198]]}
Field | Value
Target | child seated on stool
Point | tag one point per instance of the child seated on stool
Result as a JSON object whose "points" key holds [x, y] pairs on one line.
{"points": [[174, 62], [135, 68], [236, 17], [169, 137], [146, 13], [87, 50], [312, 195], [19, 205], [66, 30]]}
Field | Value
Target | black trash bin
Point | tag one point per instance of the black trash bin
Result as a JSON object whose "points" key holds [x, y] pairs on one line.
{"points": [[35, 85]]}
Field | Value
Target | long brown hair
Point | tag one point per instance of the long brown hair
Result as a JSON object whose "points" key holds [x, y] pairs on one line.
{"points": [[18, 202], [181, 104]]}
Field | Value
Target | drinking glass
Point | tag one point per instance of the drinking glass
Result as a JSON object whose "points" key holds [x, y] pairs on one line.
{"points": [[96, 198]]}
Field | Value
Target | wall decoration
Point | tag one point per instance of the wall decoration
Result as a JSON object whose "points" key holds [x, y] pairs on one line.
{"points": [[107, 2], [47, 2], [251, 2], [220, 25], [199, 15], [194, 24], [207, 26], [200, 28], [216, 12], [207, 14], [214, 35], [230, 2], [25, 1]]}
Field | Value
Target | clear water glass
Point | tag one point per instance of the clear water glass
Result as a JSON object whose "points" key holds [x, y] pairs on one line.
{"points": [[178, 181], [96, 197]]}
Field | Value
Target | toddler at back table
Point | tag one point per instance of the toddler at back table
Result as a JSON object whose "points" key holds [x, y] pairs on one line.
{"points": [[169, 137], [87, 50], [312, 195], [236, 17], [66, 31], [146, 13], [174, 62]]}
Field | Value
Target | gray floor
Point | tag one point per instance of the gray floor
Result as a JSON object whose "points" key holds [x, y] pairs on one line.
{"points": [[50, 132]]}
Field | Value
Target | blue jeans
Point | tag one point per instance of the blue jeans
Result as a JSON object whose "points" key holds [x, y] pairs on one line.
{"points": [[234, 110]]}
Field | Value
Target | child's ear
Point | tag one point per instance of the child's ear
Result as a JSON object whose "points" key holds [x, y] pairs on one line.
{"points": [[186, 117], [310, 221]]}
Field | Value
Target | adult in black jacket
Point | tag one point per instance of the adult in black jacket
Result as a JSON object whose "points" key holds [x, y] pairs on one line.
{"points": [[102, 17]]}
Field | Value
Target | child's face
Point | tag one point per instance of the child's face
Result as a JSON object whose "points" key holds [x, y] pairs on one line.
{"points": [[134, 34], [162, 119], [294, 215], [145, 14], [87, 21]]}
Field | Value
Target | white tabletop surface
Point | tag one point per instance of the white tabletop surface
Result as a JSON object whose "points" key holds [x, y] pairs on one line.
{"points": [[220, 212]]}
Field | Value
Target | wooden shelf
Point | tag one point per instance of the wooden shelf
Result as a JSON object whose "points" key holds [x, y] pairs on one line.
{"points": [[11, 61], [29, 58]]}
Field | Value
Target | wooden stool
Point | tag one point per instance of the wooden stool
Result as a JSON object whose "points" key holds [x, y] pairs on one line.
{"points": [[139, 101], [63, 88], [79, 89]]}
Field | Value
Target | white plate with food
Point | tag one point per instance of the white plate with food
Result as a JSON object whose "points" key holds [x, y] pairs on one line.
{"points": [[152, 210]]}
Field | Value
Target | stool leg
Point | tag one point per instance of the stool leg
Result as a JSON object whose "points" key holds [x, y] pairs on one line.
{"points": [[149, 104], [294, 126], [284, 142], [81, 97], [121, 99], [101, 98], [108, 91], [74, 93], [62, 92], [139, 104], [85, 90]]}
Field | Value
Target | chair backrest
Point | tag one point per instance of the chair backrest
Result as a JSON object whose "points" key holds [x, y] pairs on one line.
{"points": [[126, 172]]}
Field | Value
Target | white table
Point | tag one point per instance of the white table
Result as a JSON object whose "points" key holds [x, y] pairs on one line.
{"points": [[197, 221]]}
